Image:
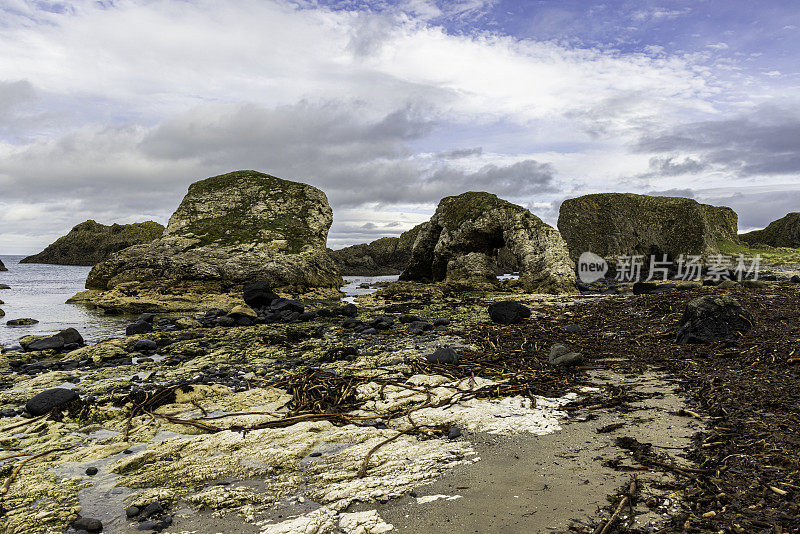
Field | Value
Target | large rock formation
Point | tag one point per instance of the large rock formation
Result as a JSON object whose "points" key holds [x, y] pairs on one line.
{"points": [[468, 233], [91, 242], [785, 232], [387, 255], [229, 230], [614, 224], [2, 267]]}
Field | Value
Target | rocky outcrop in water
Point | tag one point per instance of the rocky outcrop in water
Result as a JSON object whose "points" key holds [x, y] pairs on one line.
{"points": [[387, 255], [785, 232], [463, 240], [91, 242], [613, 224], [2, 267], [229, 230]]}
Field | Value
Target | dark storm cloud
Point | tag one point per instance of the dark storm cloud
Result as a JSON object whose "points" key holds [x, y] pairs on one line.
{"points": [[673, 167], [354, 157]]}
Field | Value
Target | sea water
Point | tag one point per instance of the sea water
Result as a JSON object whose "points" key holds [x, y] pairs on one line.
{"points": [[40, 291]]}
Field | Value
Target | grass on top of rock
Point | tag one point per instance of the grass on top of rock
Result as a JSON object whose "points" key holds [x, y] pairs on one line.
{"points": [[769, 255]]}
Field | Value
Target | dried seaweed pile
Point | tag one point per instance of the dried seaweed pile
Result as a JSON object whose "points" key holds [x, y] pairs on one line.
{"points": [[746, 390]]}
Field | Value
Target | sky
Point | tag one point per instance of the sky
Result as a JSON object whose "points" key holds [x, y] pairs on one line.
{"points": [[110, 109]]}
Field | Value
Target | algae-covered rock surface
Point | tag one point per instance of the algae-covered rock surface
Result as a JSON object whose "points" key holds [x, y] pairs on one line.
{"points": [[387, 255], [90, 242], [228, 230], [614, 224], [785, 232], [464, 239]]}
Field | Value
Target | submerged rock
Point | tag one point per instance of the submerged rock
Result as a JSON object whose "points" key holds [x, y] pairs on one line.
{"points": [[91, 242], [387, 255], [50, 399], [785, 232], [70, 336], [713, 318], [469, 233], [228, 231], [614, 224], [508, 312], [26, 321]]}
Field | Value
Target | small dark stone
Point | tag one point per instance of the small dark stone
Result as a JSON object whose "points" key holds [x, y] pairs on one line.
{"points": [[91, 471], [508, 312], [315, 454], [410, 318], [152, 509], [258, 294], [441, 321], [88, 524], [381, 323], [418, 327], [443, 355], [226, 320], [643, 288], [147, 525], [348, 310], [562, 356], [139, 327], [573, 328], [127, 451], [324, 312], [146, 318], [145, 345], [27, 321], [454, 432], [49, 343], [369, 331], [49, 399], [132, 511], [282, 305], [795, 279], [350, 323], [713, 318], [307, 316]]}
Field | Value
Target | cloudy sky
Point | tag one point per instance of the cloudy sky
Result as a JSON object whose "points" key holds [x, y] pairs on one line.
{"points": [[110, 109]]}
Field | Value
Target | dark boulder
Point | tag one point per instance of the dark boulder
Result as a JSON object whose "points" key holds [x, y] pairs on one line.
{"points": [[88, 524], [381, 323], [48, 343], [145, 345], [418, 327], [27, 321], [258, 294], [139, 327], [713, 318], [562, 356], [348, 310], [50, 399], [410, 318], [443, 355], [282, 305], [146, 317], [508, 312], [70, 335]]}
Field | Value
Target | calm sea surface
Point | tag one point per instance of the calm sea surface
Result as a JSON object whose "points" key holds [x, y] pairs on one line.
{"points": [[40, 291]]}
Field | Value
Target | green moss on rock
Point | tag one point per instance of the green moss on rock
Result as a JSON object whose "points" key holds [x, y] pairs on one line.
{"points": [[387, 255], [90, 242], [785, 232], [613, 224]]}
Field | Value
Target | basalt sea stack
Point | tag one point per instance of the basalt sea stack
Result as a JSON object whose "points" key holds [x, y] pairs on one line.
{"points": [[471, 232], [90, 242], [613, 224], [229, 230]]}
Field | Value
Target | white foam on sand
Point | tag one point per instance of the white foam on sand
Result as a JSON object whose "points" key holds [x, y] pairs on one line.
{"points": [[327, 521], [430, 498]]}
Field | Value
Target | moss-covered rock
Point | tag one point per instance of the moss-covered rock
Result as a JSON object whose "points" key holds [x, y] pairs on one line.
{"points": [[387, 255], [91, 242], [785, 232], [480, 223], [229, 230], [613, 224]]}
